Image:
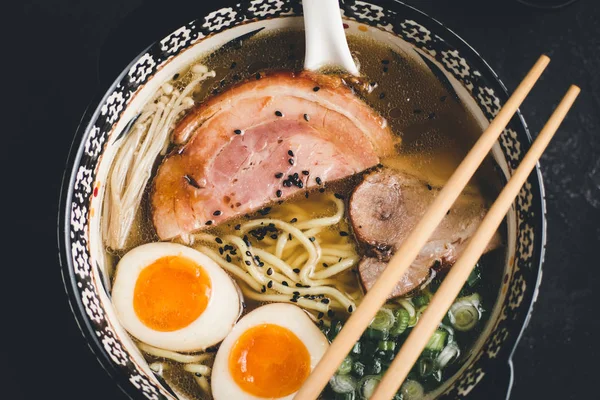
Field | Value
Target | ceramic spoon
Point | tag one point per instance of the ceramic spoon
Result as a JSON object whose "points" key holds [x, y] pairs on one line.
{"points": [[326, 44]]}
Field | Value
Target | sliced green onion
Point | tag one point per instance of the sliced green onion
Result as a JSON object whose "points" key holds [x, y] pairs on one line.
{"points": [[376, 367], [464, 313], [475, 276], [386, 345], [402, 319], [345, 396], [356, 348], [450, 352], [412, 390], [384, 320], [367, 386], [342, 383], [376, 334], [426, 366], [358, 369], [420, 300], [437, 341], [408, 306], [346, 366]]}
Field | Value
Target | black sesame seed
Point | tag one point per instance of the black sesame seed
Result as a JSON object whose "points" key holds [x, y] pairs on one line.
{"points": [[431, 115], [306, 195], [385, 62], [306, 117], [233, 252], [305, 172], [300, 185], [237, 132], [263, 289], [321, 190], [209, 222], [318, 180], [429, 187], [290, 153], [293, 220], [192, 182], [320, 315], [248, 263], [278, 193], [261, 264], [278, 175], [284, 283], [175, 77], [217, 213], [274, 236], [237, 227], [339, 196], [270, 271], [290, 236], [270, 284], [299, 285], [291, 161], [257, 76], [221, 250], [233, 65], [325, 265], [350, 309], [296, 293], [325, 301], [381, 95], [321, 323], [312, 238], [279, 113], [448, 212], [218, 240], [228, 258], [294, 300], [296, 270], [316, 89], [385, 69], [340, 260], [343, 233]]}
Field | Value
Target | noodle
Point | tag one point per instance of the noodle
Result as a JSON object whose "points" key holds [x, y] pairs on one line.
{"points": [[172, 355]]}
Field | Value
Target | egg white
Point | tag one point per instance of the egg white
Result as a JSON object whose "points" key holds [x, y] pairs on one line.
{"points": [[285, 315], [221, 313]]}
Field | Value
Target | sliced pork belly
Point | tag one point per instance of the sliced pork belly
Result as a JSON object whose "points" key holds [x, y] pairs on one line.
{"points": [[385, 208], [261, 141]]}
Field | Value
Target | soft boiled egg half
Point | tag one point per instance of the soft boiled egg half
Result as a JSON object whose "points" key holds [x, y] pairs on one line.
{"points": [[268, 354], [173, 297]]}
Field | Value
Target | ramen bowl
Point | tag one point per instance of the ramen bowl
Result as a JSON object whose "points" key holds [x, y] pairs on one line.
{"points": [[486, 370]]}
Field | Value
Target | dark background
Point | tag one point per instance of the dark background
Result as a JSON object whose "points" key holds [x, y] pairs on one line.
{"points": [[51, 54]]}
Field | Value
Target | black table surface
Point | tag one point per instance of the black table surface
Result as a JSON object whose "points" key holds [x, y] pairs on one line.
{"points": [[51, 52]]}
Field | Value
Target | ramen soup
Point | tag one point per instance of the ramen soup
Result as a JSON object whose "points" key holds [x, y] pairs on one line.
{"points": [[252, 204]]}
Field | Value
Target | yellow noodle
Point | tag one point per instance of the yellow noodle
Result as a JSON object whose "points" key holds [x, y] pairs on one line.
{"points": [[172, 355]]}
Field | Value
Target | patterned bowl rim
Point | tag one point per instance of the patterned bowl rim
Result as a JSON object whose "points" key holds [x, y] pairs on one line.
{"points": [[76, 151]]}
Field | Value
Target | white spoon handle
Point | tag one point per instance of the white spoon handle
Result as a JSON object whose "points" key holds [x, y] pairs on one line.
{"points": [[326, 43]]}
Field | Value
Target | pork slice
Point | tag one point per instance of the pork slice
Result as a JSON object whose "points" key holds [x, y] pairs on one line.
{"points": [[386, 207], [234, 147]]}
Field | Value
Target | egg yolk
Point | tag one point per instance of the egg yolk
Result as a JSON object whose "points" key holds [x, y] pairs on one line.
{"points": [[269, 361], [171, 293]]}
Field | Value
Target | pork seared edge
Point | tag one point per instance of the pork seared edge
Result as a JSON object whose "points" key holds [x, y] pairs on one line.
{"points": [[262, 141]]}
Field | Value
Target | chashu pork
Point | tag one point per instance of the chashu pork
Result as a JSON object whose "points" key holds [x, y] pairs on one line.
{"points": [[261, 141], [386, 207]]}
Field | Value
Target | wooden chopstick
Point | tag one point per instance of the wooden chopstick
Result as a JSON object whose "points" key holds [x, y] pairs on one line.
{"points": [[459, 273], [408, 251]]}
